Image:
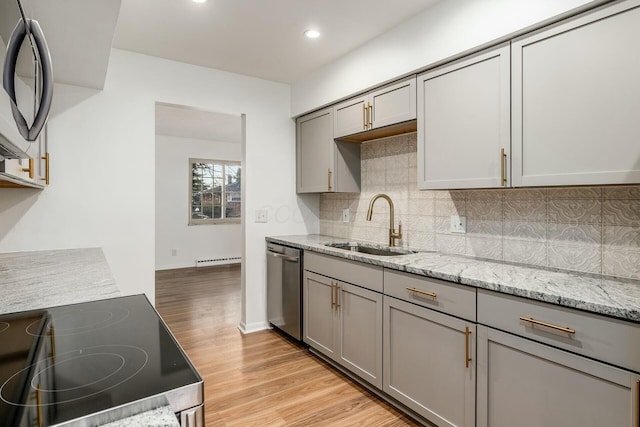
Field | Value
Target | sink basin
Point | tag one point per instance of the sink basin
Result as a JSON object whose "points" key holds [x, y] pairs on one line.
{"points": [[370, 249]]}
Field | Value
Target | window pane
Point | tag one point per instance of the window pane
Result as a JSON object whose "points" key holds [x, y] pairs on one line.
{"points": [[232, 191], [217, 210], [196, 212]]}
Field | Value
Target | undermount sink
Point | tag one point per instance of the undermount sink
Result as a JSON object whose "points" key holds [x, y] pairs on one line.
{"points": [[370, 249]]}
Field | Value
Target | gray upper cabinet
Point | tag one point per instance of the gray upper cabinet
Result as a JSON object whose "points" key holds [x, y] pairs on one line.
{"points": [[323, 165], [576, 101], [464, 123], [392, 104]]}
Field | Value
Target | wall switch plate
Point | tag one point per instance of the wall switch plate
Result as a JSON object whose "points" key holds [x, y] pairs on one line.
{"points": [[262, 215], [345, 215], [458, 224]]}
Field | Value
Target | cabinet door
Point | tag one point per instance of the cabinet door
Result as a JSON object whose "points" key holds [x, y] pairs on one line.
{"points": [[315, 152], [393, 104], [524, 383], [576, 101], [464, 123], [320, 314], [351, 116], [426, 362], [361, 332]]}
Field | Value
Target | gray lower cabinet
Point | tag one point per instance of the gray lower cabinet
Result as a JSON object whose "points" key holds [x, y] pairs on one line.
{"points": [[575, 104], [429, 362], [344, 322], [464, 123], [528, 384]]}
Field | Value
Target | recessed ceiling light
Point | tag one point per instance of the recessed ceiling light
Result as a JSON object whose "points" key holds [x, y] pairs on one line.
{"points": [[312, 34], [199, 1]]}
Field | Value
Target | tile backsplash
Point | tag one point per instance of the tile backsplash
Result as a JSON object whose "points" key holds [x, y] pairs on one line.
{"points": [[586, 229]]}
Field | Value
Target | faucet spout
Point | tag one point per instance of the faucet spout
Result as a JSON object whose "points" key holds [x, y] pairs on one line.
{"points": [[393, 235]]}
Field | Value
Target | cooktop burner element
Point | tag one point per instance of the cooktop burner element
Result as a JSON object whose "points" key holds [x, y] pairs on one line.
{"points": [[78, 362], [83, 373], [81, 320]]}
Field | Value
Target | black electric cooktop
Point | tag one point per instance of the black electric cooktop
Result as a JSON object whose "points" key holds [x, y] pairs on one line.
{"points": [[72, 361]]}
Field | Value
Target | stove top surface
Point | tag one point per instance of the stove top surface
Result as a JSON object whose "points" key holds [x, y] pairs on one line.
{"points": [[71, 361]]}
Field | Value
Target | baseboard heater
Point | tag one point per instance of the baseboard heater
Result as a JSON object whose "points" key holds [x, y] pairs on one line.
{"points": [[217, 261]]}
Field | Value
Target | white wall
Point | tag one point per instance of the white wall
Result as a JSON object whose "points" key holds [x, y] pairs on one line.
{"points": [[103, 170], [172, 199], [446, 29]]}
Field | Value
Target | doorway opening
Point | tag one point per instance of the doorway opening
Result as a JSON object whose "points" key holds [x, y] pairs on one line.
{"points": [[199, 205]]}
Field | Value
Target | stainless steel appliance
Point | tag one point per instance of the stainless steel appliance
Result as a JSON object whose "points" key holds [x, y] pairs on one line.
{"points": [[93, 363], [26, 55], [284, 296]]}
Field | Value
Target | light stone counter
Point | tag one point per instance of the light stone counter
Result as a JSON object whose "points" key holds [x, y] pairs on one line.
{"points": [[596, 294], [161, 417], [42, 279]]}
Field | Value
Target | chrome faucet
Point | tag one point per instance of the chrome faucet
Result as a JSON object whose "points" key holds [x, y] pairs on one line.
{"points": [[392, 232]]}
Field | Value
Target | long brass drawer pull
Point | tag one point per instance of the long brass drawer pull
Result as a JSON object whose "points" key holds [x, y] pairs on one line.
{"points": [[548, 325], [421, 292]]}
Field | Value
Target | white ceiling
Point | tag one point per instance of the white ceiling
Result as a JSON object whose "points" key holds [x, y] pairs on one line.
{"points": [[186, 122], [261, 38]]}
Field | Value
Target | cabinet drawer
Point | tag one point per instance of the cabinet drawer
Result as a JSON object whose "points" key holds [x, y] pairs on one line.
{"points": [[367, 276], [450, 298], [602, 338]]}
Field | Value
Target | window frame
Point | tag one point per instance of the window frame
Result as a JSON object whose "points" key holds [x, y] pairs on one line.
{"points": [[223, 201]]}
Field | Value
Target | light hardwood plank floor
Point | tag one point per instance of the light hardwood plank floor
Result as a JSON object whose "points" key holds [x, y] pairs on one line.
{"points": [[258, 379]]}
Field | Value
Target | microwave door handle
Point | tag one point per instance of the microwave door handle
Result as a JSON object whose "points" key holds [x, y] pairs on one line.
{"points": [[8, 76], [47, 80]]}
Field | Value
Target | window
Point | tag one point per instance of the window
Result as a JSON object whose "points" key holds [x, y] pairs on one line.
{"points": [[214, 191]]}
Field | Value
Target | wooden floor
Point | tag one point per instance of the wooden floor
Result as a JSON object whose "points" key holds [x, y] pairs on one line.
{"points": [[259, 379]]}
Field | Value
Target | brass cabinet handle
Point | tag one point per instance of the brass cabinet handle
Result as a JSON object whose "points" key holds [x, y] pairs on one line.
{"points": [[364, 116], [548, 325], [503, 177], [333, 303], [370, 116], [39, 403], [46, 168], [329, 179], [467, 334], [421, 292], [337, 296], [31, 168]]}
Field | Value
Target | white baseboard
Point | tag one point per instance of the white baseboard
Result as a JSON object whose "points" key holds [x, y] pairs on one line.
{"points": [[253, 327]]}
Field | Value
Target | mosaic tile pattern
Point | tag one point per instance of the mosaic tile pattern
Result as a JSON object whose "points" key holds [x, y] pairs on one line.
{"points": [[583, 229]]}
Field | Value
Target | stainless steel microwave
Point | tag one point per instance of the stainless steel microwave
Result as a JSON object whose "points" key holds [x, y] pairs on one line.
{"points": [[27, 80]]}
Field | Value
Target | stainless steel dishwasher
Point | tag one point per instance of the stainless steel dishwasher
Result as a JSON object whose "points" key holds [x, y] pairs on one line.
{"points": [[284, 297]]}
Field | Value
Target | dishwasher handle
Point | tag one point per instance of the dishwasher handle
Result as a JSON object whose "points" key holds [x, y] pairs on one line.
{"points": [[284, 257]]}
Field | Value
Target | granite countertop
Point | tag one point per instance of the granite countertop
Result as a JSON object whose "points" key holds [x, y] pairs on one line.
{"points": [[596, 294], [42, 279], [160, 417]]}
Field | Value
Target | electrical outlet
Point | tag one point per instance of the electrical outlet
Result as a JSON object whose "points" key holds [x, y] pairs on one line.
{"points": [[262, 215], [458, 224], [345, 215]]}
